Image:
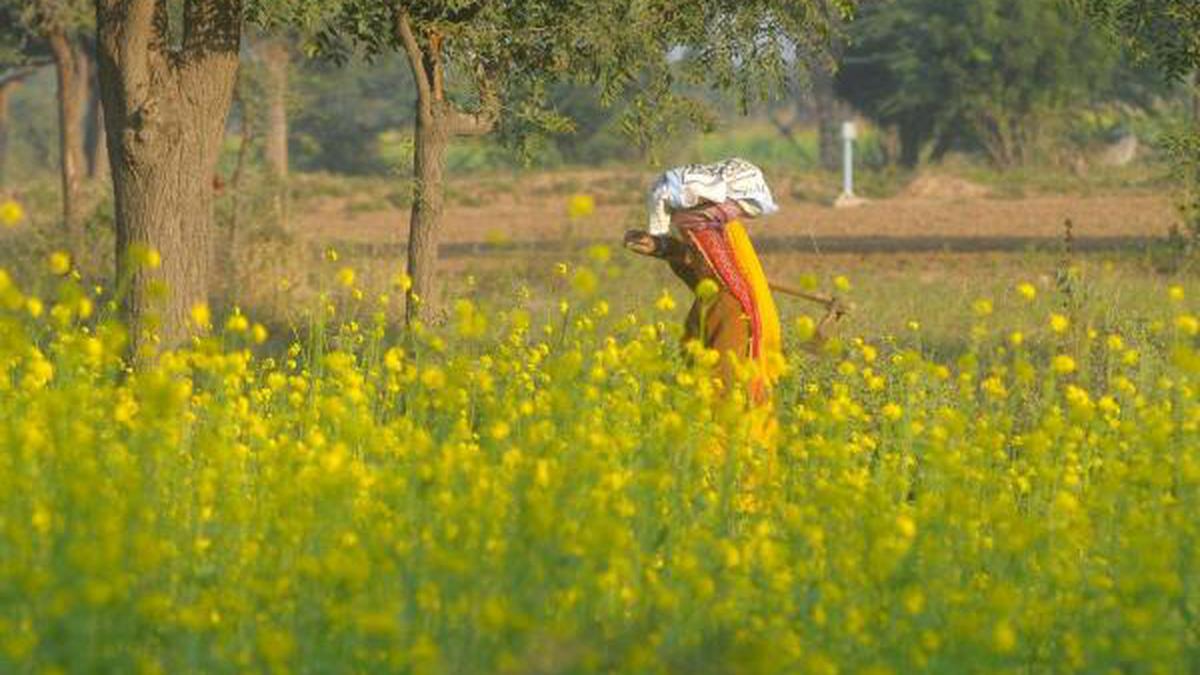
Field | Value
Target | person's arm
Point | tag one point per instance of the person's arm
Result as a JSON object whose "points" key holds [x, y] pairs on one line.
{"points": [[684, 261], [666, 247]]}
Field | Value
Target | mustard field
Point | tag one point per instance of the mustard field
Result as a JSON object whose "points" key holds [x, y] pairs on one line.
{"points": [[557, 488]]}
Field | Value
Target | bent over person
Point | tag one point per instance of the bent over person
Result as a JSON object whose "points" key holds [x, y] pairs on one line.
{"points": [[695, 225]]}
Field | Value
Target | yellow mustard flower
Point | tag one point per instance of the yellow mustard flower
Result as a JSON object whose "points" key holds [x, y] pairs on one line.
{"points": [[665, 302], [1063, 364], [581, 206], [1187, 324], [11, 213], [59, 263], [1059, 323], [201, 315]]}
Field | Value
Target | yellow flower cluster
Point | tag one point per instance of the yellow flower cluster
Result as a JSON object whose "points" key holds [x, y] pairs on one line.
{"points": [[498, 495], [581, 206], [11, 213]]}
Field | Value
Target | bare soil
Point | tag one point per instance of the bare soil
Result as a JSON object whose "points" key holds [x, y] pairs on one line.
{"points": [[932, 213], [934, 186]]}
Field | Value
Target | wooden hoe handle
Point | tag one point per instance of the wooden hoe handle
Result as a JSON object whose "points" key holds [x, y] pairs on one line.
{"points": [[830, 302]]}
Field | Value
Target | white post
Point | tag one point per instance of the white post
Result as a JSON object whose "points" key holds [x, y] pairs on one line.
{"points": [[847, 198]]}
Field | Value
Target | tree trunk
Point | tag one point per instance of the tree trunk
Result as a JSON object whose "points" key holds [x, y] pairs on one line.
{"points": [[70, 66], [910, 145], [942, 145], [165, 113], [825, 108], [229, 272], [95, 145], [437, 120], [429, 165], [1001, 136], [276, 61], [1196, 101]]}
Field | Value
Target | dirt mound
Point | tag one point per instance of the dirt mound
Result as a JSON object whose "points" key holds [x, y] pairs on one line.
{"points": [[932, 186]]}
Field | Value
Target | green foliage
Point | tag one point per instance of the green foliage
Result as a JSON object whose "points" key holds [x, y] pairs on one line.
{"points": [[13, 40], [597, 137], [23, 22], [1183, 151], [338, 114], [979, 73], [1165, 32], [762, 142], [638, 52], [19, 35]]}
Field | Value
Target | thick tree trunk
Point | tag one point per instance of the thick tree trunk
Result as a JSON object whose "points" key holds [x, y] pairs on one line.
{"points": [[429, 165], [165, 116], [70, 66], [163, 192], [276, 61]]}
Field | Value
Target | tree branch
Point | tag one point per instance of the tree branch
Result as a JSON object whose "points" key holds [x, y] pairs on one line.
{"points": [[129, 32], [435, 67], [60, 47], [483, 120], [467, 12], [416, 60], [463, 123]]}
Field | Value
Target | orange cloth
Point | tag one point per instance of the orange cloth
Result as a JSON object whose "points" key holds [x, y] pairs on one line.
{"points": [[740, 322]]}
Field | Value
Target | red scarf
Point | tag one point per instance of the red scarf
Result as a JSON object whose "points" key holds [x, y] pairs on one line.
{"points": [[706, 230]]}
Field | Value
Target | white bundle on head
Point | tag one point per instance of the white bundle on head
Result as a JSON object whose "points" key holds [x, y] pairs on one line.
{"points": [[687, 187]]}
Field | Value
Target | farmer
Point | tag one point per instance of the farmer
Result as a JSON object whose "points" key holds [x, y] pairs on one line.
{"points": [[695, 214]]}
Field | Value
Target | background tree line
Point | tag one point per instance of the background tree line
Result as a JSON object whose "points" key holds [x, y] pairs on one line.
{"points": [[167, 73], [1009, 81], [367, 87]]}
